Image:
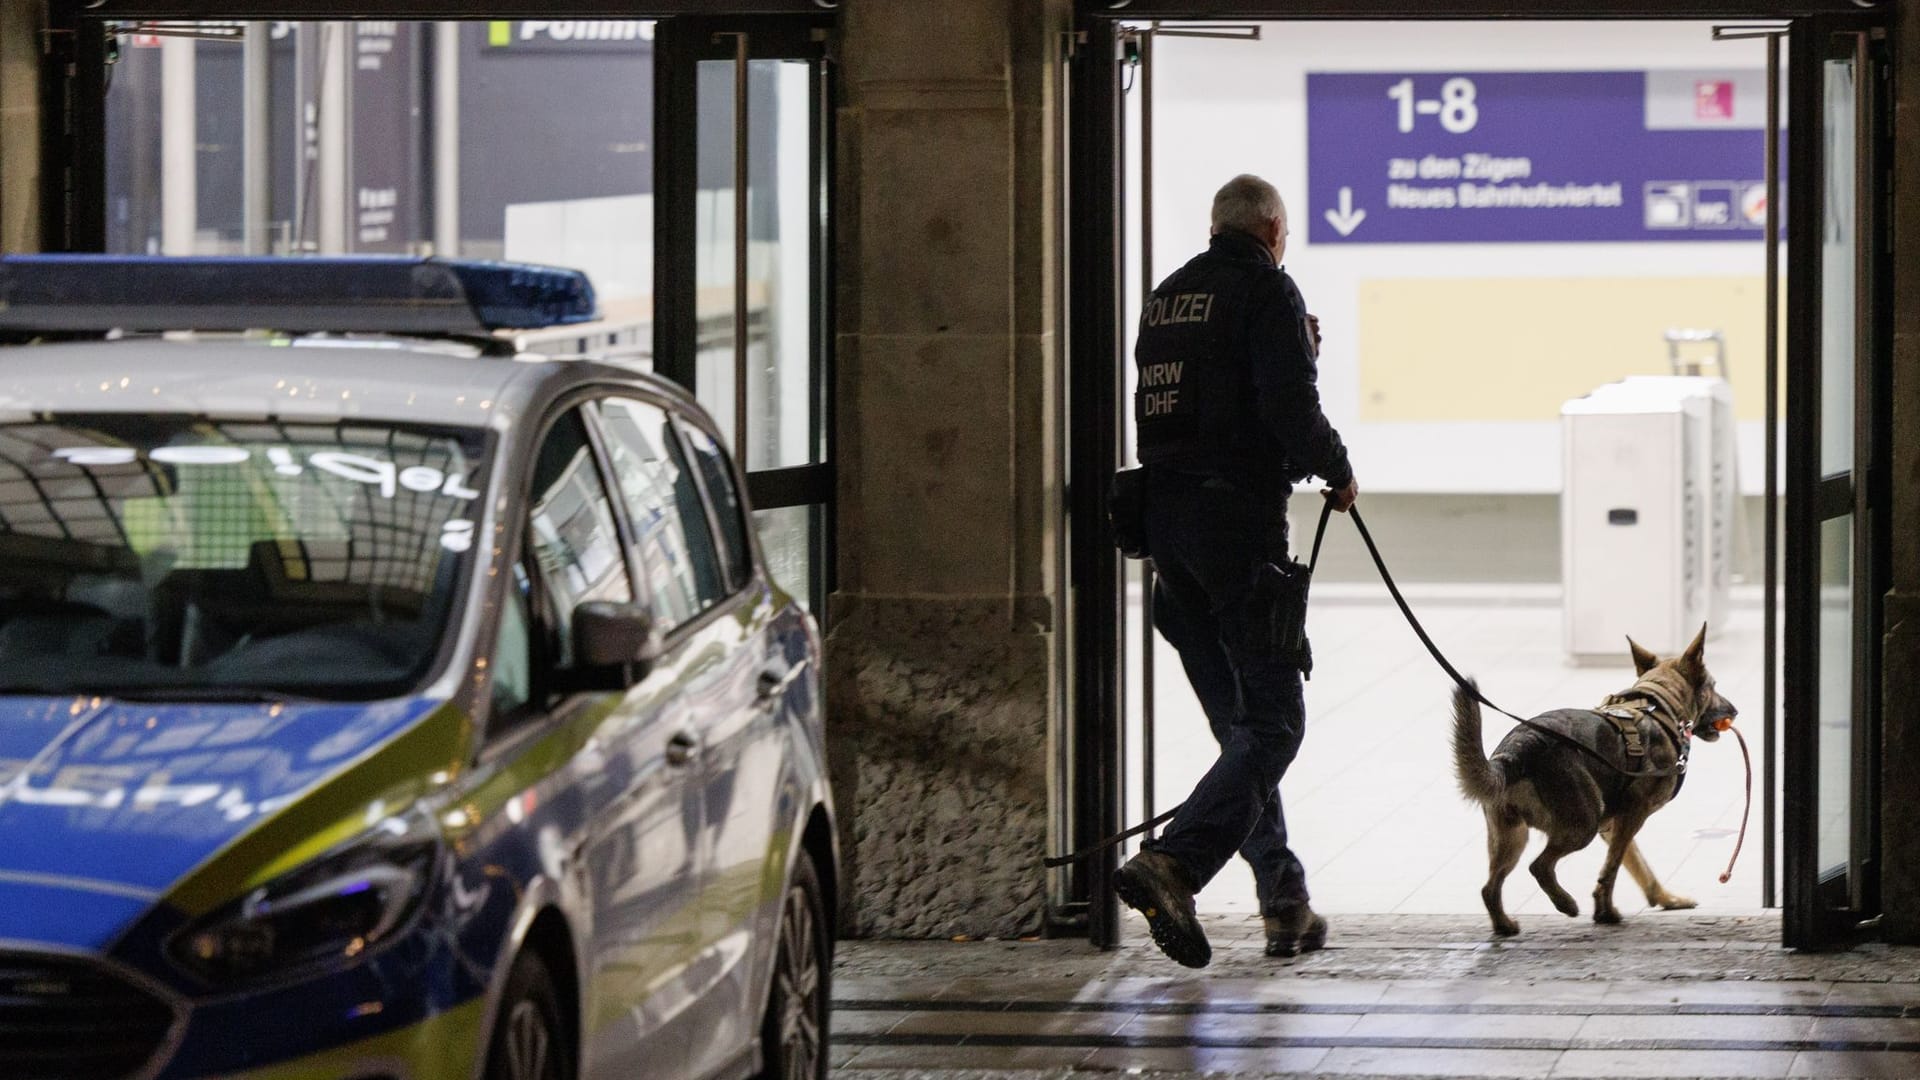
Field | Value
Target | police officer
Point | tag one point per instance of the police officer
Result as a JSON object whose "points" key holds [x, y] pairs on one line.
{"points": [[1229, 419]]}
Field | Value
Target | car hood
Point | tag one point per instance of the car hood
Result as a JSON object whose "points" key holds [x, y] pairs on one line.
{"points": [[110, 807]]}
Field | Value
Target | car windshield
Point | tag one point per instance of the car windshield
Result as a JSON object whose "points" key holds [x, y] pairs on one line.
{"points": [[186, 558]]}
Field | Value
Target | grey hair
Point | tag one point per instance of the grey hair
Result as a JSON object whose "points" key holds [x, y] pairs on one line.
{"points": [[1246, 203]]}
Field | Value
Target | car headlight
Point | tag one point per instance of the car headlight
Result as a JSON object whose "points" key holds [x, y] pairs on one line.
{"points": [[330, 910]]}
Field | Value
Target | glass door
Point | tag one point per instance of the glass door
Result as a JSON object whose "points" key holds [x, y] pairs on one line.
{"points": [[1836, 431], [742, 114]]}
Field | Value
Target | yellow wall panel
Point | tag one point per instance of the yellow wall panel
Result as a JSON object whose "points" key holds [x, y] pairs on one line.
{"points": [[1516, 348]]}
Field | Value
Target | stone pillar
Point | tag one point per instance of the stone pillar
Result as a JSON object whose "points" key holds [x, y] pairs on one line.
{"points": [[1900, 747], [20, 125], [941, 657]]}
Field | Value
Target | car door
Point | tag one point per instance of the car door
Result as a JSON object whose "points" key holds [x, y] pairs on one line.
{"points": [[637, 772], [750, 811], [701, 597]]}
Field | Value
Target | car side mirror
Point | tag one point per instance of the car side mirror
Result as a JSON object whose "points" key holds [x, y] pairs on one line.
{"points": [[610, 635]]}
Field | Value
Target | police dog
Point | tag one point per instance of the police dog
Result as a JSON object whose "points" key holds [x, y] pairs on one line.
{"points": [[1535, 779]]}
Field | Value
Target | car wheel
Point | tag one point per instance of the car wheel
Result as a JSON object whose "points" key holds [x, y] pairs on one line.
{"points": [[793, 1037], [528, 1040]]}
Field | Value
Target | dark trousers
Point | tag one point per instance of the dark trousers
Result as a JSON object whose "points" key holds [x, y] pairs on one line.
{"points": [[1208, 541]]}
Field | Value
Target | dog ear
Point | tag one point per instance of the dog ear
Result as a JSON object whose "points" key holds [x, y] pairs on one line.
{"points": [[1643, 661], [1696, 655]]}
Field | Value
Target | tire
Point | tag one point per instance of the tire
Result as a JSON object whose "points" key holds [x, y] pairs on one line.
{"points": [[529, 1041], [793, 1035]]}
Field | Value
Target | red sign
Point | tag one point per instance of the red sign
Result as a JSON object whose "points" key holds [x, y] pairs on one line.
{"points": [[1713, 100]]}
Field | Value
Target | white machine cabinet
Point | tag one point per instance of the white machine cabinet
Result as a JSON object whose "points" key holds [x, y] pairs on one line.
{"points": [[1647, 514]]}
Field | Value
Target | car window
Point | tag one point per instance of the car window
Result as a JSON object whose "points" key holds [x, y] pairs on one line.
{"points": [[718, 474], [183, 555], [570, 534], [677, 552]]}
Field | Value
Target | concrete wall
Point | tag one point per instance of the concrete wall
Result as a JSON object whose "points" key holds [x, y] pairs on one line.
{"points": [[20, 125], [941, 658]]}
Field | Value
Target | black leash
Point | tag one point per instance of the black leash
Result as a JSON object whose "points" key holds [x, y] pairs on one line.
{"points": [[1379, 564], [1467, 684]]}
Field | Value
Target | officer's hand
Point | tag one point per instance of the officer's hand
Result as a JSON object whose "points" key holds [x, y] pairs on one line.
{"points": [[1313, 327], [1343, 499]]}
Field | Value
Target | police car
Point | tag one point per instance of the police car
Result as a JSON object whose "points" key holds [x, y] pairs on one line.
{"points": [[378, 703]]}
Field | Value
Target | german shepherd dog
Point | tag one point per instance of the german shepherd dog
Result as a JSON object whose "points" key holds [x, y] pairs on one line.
{"points": [[1535, 779]]}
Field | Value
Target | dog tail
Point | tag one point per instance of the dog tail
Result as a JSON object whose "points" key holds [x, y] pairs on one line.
{"points": [[1480, 780]]}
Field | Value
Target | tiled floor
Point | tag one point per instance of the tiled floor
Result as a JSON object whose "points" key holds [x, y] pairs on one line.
{"points": [[1371, 801], [1664, 995]]}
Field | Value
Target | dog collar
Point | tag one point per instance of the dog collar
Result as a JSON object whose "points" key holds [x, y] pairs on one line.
{"points": [[1685, 727]]}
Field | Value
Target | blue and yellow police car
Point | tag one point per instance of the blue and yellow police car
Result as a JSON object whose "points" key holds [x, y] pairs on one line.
{"points": [[380, 703]]}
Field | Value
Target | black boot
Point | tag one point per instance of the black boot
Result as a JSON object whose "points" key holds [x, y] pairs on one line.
{"points": [[1296, 930], [1154, 885]]}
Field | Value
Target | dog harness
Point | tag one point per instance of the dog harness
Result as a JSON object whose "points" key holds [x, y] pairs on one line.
{"points": [[1626, 720], [1620, 737]]}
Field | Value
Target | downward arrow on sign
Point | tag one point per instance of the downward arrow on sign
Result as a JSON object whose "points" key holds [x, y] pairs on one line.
{"points": [[1346, 219]]}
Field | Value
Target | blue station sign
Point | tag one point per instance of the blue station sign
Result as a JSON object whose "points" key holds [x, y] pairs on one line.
{"points": [[1541, 157]]}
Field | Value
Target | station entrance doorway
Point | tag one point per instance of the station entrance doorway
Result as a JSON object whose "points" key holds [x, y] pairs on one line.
{"points": [[1614, 227]]}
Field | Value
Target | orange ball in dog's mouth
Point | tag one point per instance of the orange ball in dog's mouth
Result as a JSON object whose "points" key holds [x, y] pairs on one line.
{"points": [[1723, 724]]}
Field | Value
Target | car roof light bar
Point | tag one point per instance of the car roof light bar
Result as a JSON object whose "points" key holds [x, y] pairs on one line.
{"points": [[327, 294]]}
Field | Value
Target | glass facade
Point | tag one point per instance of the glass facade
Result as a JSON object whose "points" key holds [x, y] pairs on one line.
{"points": [[524, 140]]}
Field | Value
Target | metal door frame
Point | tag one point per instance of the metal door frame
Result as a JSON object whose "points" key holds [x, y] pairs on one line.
{"points": [[1827, 912], [1096, 796], [683, 42], [1095, 751]]}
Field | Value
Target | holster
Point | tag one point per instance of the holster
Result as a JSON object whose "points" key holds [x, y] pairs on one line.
{"points": [[1127, 512], [1280, 592]]}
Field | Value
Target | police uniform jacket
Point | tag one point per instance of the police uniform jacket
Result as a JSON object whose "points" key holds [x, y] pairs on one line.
{"points": [[1227, 373]]}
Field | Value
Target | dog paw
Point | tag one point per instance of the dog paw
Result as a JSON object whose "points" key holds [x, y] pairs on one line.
{"points": [[1671, 902], [1567, 906], [1606, 917], [1506, 929]]}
